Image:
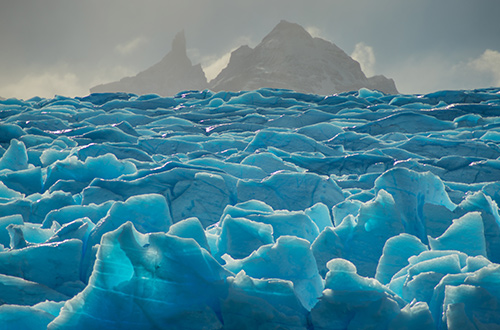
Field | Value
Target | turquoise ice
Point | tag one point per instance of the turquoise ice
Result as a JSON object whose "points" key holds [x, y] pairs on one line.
{"points": [[255, 209]]}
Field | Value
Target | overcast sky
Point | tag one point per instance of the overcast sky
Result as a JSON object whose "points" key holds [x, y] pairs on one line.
{"points": [[64, 47]]}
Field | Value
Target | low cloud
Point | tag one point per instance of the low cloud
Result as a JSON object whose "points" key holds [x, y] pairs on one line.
{"points": [[46, 84], [316, 32], [214, 67], [366, 57], [62, 80], [425, 74], [489, 64]]}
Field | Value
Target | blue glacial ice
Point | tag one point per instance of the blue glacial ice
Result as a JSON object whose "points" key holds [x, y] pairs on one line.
{"points": [[266, 209]]}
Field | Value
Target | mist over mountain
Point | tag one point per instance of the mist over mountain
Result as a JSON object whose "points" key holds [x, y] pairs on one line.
{"points": [[288, 57], [174, 73]]}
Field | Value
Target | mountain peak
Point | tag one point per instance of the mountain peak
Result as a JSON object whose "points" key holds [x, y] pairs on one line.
{"points": [[173, 74], [287, 31], [179, 44], [287, 27], [289, 57]]}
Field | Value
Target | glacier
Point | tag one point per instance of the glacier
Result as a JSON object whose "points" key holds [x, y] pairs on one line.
{"points": [[260, 209]]}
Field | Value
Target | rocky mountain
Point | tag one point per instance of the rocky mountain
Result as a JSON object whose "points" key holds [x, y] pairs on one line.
{"points": [[174, 73], [289, 57]]}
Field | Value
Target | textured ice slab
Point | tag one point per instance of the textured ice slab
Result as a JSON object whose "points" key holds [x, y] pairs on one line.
{"points": [[262, 303], [290, 258], [352, 301], [263, 209], [142, 281]]}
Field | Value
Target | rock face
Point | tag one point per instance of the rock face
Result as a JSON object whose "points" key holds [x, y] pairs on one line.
{"points": [[289, 57], [174, 73]]}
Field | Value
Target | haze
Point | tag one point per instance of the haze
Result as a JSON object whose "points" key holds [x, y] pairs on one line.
{"points": [[65, 47]]}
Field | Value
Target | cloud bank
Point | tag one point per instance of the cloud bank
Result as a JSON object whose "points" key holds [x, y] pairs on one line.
{"points": [[365, 55], [488, 63]]}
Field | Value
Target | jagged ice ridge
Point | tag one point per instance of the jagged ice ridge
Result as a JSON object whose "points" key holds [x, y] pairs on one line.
{"points": [[263, 209]]}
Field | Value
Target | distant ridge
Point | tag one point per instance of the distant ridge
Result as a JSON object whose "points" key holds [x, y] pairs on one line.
{"points": [[174, 73], [288, 57]]}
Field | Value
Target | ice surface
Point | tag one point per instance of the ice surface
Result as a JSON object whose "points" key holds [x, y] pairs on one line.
{"points": [[290, 258], [17, 291], [465, 234], [13, 317], [190, 228], [240, 237], [33, 262], [353, 301], [268, 208], [397, 250], [15, 158], [262, 303], [171, 280]]}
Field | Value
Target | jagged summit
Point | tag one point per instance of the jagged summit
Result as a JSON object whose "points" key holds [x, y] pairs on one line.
{"points": [[285, 31], [174, 73], [179, 44], [289, 57]]}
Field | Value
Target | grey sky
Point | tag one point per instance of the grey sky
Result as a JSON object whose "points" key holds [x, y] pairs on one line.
{"points": [[65, 47]]}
